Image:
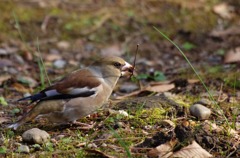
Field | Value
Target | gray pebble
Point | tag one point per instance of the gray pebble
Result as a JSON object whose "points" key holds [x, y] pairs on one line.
{"points": [[36, 136], [59, 63], [19, 59], [23, 149], [127, 88], [200, 111]]}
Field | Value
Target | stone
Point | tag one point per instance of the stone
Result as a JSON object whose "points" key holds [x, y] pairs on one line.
{"points": [[23, 149], [128, 88], [200, 111], [36, 136], [59, 63]]}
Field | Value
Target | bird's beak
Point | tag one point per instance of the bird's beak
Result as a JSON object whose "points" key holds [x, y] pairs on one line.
{"points": [[127, 69]]}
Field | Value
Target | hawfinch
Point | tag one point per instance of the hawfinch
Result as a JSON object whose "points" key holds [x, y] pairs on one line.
{"points": [[79, 94]]}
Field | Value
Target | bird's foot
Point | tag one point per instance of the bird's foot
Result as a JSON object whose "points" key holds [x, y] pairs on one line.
{"points": [[84, 126]]}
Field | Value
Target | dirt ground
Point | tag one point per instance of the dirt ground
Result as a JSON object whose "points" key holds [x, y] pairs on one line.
{"points": [[146, 112]]}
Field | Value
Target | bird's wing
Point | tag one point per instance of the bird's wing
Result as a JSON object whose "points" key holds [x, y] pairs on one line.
{"points": [[81, 83]]}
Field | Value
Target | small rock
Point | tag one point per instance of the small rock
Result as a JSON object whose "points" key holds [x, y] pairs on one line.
{"points": [[92, 145], [27, 80], [12, 70], [104, 145], [23, 149], [124, 113], [3, 51], [127, 88], [19, 59], [59, 63], [200, 111], [36, 136], [63, 45]]}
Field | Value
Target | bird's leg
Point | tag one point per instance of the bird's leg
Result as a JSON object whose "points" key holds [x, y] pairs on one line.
{"points": [[84, 126], [39, 109]]}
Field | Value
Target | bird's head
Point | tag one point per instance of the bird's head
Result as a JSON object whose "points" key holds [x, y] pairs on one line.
{"points": [[117, 65]]}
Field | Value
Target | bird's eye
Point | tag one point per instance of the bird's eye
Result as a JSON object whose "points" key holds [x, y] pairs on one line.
{"points": [[117, 64]]}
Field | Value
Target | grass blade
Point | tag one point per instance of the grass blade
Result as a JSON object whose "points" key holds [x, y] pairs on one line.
{"points": [[194, 70]]}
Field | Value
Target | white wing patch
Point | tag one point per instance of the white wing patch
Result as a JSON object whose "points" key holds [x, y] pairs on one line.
{"points": [[51, 93], [76, 91]]}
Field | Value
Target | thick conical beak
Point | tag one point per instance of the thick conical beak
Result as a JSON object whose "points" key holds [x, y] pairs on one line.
{"points": [[127, 69]]}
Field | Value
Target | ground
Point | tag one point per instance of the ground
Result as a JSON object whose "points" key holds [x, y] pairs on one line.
{"points": [[145, 112]]}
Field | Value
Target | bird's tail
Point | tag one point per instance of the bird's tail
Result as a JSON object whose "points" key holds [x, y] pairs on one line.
{"points": [[34, 97]]}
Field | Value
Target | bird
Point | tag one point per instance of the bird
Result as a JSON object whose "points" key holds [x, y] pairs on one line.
{"points": [[78, 94]]}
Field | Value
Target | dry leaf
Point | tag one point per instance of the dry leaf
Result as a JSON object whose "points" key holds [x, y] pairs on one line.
{"points": [[163, 150], [20, 88], [153, 87], [160, 88], [168, 123], [192, 81], [232, 56], [192, 150], [4, 78], [233, 30], [224, 10]]}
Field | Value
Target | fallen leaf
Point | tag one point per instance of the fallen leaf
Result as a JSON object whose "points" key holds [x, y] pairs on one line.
{"points": [[234, 30], [163, 150], [20, 88], [152, 87], [192, 81], [160, 88], [232, 56], [224, 10], [192, 150], [4, 78]]}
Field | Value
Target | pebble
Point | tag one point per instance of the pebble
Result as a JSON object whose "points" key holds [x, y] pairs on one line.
{"points": [[59, 64], [127, 88], [27, 80], [36, 136], [200, 111], [3, 51], [12, 70], [63, 45], [19, 59], [92, 145], [23, 149], [124, 113]]}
